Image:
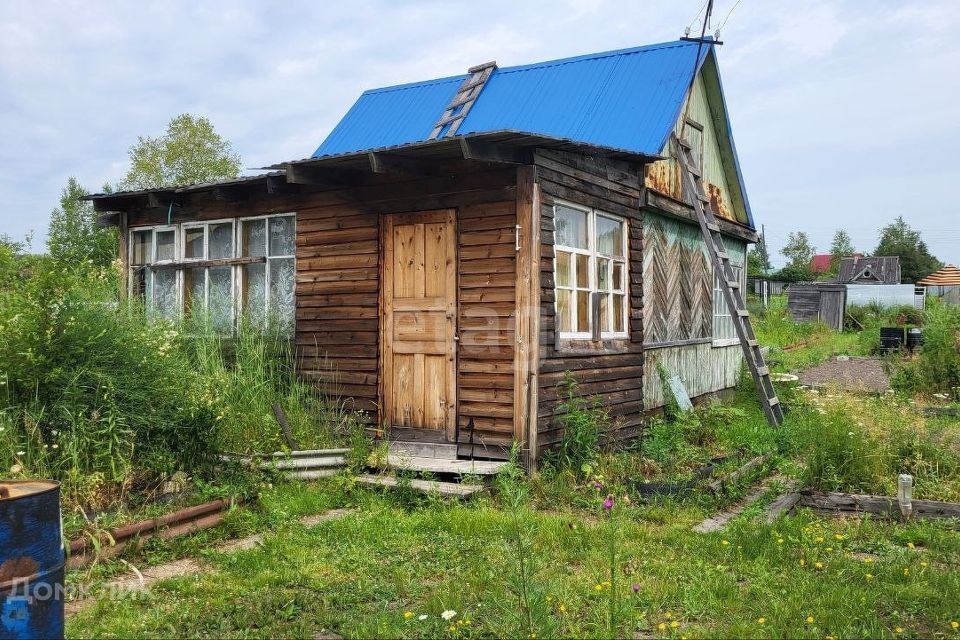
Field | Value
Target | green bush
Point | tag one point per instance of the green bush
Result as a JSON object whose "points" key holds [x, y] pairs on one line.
{"points": [[96, 395], [936, 368], [582, 423]]}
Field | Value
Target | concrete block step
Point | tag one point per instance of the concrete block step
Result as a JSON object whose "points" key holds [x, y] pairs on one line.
{"points": [[438, 465], [454, 489]]}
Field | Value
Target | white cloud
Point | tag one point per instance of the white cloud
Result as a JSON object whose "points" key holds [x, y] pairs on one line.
{"points": [[843, 110]]}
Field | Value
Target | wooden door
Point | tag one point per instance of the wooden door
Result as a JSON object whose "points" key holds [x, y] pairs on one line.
{"points": [[418, 364]]}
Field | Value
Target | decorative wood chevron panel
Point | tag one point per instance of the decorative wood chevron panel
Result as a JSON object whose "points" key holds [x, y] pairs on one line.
{"points": [[677, 281]]}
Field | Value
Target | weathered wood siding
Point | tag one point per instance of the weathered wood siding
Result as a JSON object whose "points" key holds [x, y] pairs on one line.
{"points": [[612, 371], [664, 176], [677, 282], [337, 293], [812, 302], [487, 320], [702, 367]]}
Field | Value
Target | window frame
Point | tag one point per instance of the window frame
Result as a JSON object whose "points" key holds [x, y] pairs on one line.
{"points": [[179, 249], [719, 302], [593, 255], [238, 243]]}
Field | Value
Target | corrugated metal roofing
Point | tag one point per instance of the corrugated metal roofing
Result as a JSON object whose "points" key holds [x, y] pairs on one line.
{"points": [[627, 99]]}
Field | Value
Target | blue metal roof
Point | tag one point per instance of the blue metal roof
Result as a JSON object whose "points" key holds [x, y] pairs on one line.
{"points": [[627, 99]]}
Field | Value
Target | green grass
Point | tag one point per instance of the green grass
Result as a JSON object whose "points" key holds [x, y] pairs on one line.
{"points": [[358, 576]]}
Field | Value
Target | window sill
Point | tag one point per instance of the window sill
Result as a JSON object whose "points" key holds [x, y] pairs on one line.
{"points": [[580, 346]]}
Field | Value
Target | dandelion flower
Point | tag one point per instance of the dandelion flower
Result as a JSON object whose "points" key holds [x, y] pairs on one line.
{"points": [[923, 563], [408, 614], [954, 625], [563, 608], [906, 572], [869, 576], [674, 624], [607, 584], [819, 538], [867, 560], [898, 630], [761, 620], [448, 614], [803, 562], [779, 540], [818, 565], [838, 536], [668, 615], [598, 587], [533, 635], [829, 549], [724, 542], [809, 619], [910, 545], [452, 628], [662, 626]]}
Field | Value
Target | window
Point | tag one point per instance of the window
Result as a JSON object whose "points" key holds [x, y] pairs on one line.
{"points": [[590, 272], [195, 268], [724, 333]]}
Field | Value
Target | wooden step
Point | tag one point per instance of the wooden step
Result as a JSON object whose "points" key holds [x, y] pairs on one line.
{"points": [[438, 465], [443, 451], [454, 489]]}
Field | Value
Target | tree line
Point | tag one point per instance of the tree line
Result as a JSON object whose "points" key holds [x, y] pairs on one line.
{"points": [[189, 151], [896, 239]]}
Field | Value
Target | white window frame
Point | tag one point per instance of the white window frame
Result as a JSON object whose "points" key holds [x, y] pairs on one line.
{"points": [[722, 310], [238, 242], [205, 225], [179, 245], [592, 256]]}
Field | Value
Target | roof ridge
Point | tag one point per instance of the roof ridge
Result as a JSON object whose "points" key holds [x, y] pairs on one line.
{"points": [[537, 65]]}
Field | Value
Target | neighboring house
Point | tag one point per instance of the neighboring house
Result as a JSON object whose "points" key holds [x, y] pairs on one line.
{"points": [[869, 270], [821, 263], [455, 246], [944, 284]]}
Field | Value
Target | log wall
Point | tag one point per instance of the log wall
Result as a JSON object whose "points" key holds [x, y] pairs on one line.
{"points": [[611, 371]]}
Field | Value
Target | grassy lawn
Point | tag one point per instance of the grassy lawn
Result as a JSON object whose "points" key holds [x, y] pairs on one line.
{"points": [[542, 557], [359, 576]]}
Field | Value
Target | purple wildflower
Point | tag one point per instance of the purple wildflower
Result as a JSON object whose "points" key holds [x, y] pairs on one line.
{"points": [[598, 485], [608, 503], [635, 587]]}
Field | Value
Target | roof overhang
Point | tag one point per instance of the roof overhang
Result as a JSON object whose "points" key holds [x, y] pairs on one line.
{"points": [[425, 158]]}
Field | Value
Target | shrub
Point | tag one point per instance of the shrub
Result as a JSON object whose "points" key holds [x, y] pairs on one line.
{"points": [[582, 422], [936, 368]]}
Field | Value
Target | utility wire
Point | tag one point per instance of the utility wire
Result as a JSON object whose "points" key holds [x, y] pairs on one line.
{"points": [[696, 65], [729, 13]]}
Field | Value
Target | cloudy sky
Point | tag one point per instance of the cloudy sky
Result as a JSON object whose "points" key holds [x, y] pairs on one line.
{"points": [[844, 111]]}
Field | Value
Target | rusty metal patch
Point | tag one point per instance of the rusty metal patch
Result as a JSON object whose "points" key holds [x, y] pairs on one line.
{"points": [[717, 203], [14, 568]]}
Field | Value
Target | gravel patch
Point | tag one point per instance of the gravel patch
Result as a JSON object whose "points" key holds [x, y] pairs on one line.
{"points": [[850, 373]]}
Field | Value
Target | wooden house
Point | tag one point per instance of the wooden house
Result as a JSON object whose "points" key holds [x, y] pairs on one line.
{"points": [[860, 269], [456, 246]]}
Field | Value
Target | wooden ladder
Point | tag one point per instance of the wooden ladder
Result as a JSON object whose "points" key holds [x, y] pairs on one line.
{"points": [[729, 284], [462, 101]]}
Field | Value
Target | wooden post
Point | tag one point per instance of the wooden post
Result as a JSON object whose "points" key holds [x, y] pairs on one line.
{"points": [[526, 352], [124, 255]]}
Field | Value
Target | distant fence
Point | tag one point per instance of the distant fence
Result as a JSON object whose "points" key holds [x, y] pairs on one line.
{"points": [[886, 295]]}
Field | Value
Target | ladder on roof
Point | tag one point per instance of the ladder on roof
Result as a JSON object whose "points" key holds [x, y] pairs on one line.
{"points": [[729, 283], [462, 101]]}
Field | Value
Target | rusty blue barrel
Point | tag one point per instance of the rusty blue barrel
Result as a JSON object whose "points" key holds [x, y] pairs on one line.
{"points": [[31, 560]]}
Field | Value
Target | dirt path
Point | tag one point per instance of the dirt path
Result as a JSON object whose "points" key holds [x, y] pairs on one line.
{"points": [[865, 375], [137, 581]]}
